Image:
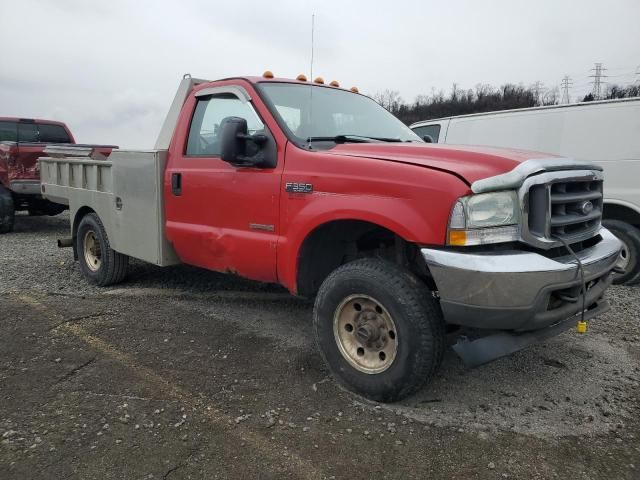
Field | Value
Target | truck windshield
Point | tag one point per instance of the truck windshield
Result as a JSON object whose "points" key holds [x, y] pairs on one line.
{"points": [[314, 113]]}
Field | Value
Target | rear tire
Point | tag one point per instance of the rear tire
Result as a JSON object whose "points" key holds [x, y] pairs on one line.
{"points": [[99, 263], [630, 237], [7, 211], [355, 311]]}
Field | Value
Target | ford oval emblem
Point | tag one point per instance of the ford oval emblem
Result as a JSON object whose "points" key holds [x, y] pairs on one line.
{"points": [[586, 207]]}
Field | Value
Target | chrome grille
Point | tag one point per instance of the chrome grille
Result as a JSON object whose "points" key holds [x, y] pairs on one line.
{"points": [[562, 207], [576, 209]]}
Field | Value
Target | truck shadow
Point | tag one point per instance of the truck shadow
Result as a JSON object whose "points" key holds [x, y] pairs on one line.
{"points": [[189, 279], [25, 223]]}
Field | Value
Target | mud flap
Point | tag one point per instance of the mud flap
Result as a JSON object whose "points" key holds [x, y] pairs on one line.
{"points": [[493, 346]]}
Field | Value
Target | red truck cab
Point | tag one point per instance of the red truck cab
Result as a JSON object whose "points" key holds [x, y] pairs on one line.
{"points": [[320, 189]]}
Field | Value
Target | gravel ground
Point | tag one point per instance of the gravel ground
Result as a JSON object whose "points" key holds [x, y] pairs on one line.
{"points": [[183, 373]]}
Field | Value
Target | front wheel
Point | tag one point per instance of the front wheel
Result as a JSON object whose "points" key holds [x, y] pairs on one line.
{"points": [[99, 263], [379, 329]]}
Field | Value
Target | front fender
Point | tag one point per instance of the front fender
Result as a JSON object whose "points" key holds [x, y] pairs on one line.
{"points": [[398, 215], [412, 201]]}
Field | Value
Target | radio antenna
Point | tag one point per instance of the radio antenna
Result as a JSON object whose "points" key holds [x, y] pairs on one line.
{"points": [[313, 24]]}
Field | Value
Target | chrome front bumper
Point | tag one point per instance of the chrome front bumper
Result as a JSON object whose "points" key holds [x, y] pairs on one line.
{"points": [[518, 290]]}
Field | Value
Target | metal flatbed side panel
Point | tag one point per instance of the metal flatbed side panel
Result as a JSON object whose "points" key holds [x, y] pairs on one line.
{"points": [[126, 191], [64, 179], [138, 208]]}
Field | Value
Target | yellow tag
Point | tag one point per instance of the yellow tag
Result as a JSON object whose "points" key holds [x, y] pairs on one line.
{"points": [[582, 327]]}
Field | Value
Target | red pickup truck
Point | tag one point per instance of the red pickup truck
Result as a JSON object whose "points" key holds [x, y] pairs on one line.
{"points": [[22, 141], [320, 189]]}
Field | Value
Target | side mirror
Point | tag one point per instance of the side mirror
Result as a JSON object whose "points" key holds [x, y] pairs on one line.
{"points": [[232, 144], [243, 150], [427, 138]]}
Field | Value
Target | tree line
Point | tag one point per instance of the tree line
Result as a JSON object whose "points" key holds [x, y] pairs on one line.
{"points": [[617, 91], [483, 98]]}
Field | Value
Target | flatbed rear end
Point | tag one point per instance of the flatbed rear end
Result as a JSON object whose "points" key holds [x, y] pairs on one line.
{"points": [[125, 191]]}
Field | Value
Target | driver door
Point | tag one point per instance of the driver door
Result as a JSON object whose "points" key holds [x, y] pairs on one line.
{"points": [[222, 217]]}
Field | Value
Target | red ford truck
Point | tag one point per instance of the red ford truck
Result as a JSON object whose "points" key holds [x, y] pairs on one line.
{"points": [[320, 189], [22, 141]]}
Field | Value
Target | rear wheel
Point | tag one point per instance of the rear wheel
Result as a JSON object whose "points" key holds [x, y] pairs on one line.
{"points": [[7, 211], [629, 261], [379, 329], [99, 263]]}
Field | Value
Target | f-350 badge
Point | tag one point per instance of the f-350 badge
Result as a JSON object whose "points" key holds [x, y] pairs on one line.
{"points": [[292, 187]]}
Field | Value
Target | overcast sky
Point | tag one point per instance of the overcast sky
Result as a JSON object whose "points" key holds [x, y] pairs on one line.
{"points": [[109, 68]]}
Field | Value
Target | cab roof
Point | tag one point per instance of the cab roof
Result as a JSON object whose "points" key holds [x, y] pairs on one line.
{"points": [[256, 79]]}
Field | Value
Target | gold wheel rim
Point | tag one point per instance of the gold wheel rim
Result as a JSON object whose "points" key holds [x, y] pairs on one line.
{"points": [[365, 334], [92, 252]]}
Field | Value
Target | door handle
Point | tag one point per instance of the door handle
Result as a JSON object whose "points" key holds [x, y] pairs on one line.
{"points": [[176, 184]]}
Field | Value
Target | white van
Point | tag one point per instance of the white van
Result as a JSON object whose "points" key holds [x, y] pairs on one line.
{"points": [[604, 132]]}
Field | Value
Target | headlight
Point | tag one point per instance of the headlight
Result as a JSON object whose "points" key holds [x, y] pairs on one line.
{"points": [[485, 218]]}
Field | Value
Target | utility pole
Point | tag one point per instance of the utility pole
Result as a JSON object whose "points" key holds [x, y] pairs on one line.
{"points": [[565, 85], [597, 76]]}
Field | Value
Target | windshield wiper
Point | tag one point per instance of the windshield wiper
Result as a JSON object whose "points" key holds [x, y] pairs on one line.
{"points": [[352, 139]]}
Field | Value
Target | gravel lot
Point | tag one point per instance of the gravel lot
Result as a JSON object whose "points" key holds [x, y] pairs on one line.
{"points": [[183, 373]]}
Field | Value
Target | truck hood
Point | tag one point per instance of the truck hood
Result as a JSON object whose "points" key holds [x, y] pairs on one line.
{"points": [[470, 163]]}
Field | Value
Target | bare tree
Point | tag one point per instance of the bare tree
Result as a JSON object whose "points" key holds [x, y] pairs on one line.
{"points": [[389, 99], [483, 98], [550, 97]]}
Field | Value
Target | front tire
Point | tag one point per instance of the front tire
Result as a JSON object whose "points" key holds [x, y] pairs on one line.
{"points": [[7, 211], [99, 263], [379, 329], [630, 257]]}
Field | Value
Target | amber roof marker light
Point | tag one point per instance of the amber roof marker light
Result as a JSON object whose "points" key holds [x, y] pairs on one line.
{"points": [[354, 89], [301, 78], [334, 83], [319, 80], [267, 74]]}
